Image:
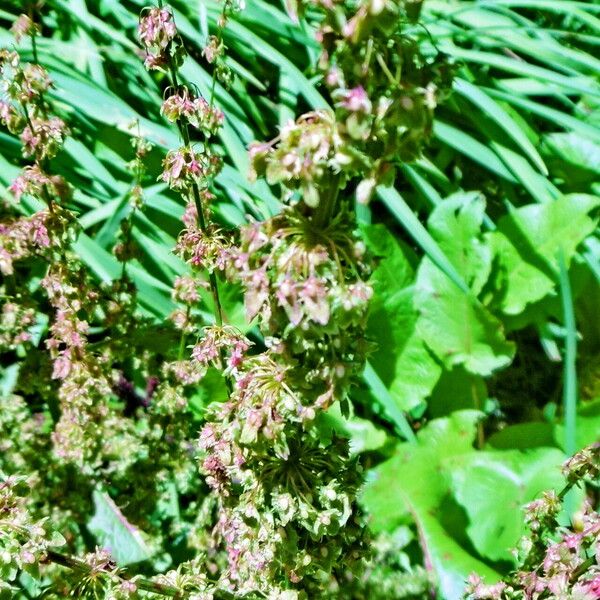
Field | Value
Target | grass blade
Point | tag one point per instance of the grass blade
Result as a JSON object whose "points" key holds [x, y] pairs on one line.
{"points": [[407, 218], [382, 395], [495, 112]]}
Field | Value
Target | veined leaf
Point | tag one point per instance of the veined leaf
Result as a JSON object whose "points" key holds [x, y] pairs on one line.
{"points": [[115, 533], [414, 483], [494, 486], [457, 328], [527, 241]]}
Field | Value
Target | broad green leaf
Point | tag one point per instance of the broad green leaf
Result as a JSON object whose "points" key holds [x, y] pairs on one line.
{"points": [[523, 436], [414, 483], [458, 328], [455, 326], [394, 260], [456, 390], [115, 533], [576, 150], [527, 241], [573, 158], [363, 435], [400, 358], [494, 486]]}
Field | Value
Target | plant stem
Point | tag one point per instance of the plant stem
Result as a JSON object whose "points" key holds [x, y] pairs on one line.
{"points": [[570, 373], [570, 368], [477, 406], [147, 585], [183, 127], [185, 135]]}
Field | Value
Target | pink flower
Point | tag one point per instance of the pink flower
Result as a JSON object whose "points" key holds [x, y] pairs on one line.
{"points": [[62, 365], [157, 28], [213, 49], [40, 235], [356, 100], [18, 187]]}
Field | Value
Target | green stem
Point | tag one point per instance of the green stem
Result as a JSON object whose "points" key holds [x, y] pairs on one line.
{"points": [[570, 370], [570, 366], [183, 336], [183, 127], [147, 585], [185, 135]]}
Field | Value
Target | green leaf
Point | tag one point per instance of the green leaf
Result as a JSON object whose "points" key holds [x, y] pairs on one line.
{"points": [[578, 84], [523, 436], [455, 326], [576, 150], [573, 158], [459, 330], [407, 218], [401, 360], [466, 144], [494, 486], [495, 112], [527, 241], [553, 116], [115, 533], [362, 434], [414, 483], [456, 390]]}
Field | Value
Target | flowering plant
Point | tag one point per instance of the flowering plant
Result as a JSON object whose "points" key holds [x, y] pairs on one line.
{"points": [[157, 441]]}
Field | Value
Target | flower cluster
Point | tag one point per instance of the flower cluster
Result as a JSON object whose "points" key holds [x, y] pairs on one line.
{"points": [[195, 110], [94, 413], [281, 519], [24, 27], [207, 248], [186, 167], [24, 111], [385, 92], [556, 562], [307, 285], [23, 541], [84, 385], [39, 235], [158, 34], [288, 516], [15, 323], [288, 521]]}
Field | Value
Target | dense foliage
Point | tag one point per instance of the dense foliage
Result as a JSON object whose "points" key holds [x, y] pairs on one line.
{"points": [[347, 362]]}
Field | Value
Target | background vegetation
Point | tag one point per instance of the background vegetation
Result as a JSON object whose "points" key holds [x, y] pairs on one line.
{"points": [[487, 282]]}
